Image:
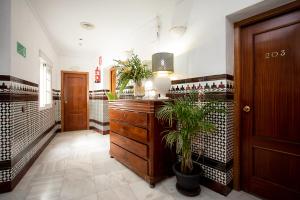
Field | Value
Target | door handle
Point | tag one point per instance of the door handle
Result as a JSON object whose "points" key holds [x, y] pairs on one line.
{"points": [[66, 102], [246, 109]]}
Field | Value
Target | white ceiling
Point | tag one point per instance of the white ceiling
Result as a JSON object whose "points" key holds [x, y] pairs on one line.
{"points": [[116, 22]]}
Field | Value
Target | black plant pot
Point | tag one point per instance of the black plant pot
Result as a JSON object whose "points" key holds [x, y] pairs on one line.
{"points": [[188, 184]]}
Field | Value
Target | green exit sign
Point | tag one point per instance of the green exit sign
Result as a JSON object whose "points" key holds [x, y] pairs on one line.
{"points": [[21, 49]]}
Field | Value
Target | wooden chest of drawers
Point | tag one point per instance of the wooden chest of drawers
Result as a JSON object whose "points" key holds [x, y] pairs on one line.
{"points": [[136, 139]]}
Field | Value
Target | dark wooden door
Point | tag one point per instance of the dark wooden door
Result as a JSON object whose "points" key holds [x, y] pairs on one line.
{"points": [[270, 104], [74, 100]]}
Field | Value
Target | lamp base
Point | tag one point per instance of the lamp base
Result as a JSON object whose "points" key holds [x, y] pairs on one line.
{"points": [[162, 85]]}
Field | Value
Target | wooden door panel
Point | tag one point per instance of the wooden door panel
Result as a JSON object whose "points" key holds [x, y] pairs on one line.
{"points": [[74, 99], [277, 93], [270, 85], [276, 167]]}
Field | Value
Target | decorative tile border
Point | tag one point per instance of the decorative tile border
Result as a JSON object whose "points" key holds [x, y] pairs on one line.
{"points": [[204, 78], [98, 94], [56, 95], [203, 86], [17, 80]]}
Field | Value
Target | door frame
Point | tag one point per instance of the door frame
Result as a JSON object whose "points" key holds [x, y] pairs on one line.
{"points": [[63, 72], [110, 76], [237, 80]]}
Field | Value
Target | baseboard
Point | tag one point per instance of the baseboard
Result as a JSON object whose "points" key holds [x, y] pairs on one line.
{"points": [[99, 131], [217, 187], [5, 187]]}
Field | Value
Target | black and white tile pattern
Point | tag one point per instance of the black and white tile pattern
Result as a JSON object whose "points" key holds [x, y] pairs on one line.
{"points": [[5, 129], [217, 146], [22, 123]]}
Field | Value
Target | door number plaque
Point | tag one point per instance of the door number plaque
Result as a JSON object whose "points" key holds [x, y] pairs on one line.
{"points": [[275, 54]]}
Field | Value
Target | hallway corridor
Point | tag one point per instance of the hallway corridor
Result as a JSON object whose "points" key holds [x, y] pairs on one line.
{"points": [[77, 166]]}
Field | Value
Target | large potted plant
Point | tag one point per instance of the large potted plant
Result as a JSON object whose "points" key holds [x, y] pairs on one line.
{"points": [[132, 69], [191, 119]]}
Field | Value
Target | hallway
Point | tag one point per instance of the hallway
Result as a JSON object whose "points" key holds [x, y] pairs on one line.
{"points": [[76, 165]]}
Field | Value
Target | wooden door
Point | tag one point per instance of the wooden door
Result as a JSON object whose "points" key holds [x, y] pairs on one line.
{"points": [[270, 105], [74, 101], [113, 79]]}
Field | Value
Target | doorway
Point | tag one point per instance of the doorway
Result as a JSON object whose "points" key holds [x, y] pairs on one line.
{"points": [[113, 79], [74, 100], [268, 104]]}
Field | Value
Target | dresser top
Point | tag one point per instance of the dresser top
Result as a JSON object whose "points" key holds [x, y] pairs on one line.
{"points": [[138, 105]]}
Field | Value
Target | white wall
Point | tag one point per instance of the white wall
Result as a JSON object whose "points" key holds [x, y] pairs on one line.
{"points": [[203, 49], [5, 18], [84, 64], [26, 29]]}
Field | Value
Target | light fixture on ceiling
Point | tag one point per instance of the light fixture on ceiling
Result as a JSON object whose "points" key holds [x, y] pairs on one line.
{"points": [[178, 31], [87, 25], [80, 41]]}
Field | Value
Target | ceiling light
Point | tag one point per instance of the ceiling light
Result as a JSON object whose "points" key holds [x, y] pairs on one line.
{"points": [[178, 31], [87, 25]]}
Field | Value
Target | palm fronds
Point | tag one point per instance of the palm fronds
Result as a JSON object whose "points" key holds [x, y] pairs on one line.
{"points": [[192, 119]]}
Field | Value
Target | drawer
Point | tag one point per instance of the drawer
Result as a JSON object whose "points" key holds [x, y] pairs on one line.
{"points": [[132, 132], [130, 145], [132, 161], [134, 118]]}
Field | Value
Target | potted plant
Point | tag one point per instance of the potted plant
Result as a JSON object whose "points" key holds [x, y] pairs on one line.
{"points": [[192, 120], [111, 96], [132, 69]]}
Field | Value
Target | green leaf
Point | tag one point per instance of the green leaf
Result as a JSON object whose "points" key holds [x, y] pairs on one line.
{"points": [[191, 119], [131, 69], [111, 96]]}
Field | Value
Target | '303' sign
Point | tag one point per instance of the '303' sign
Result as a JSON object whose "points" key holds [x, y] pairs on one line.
{"points": [[275, 54]]}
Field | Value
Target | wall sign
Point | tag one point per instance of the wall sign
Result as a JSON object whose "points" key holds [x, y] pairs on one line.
{"points": [[21, 49]]}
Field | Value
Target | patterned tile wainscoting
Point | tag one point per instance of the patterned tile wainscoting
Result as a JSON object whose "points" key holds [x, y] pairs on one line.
{"points": [[25, 130], [98, 109], [217, 158], [57, 108]]}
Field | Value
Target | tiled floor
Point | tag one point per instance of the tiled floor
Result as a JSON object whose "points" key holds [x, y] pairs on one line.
{"points": [[77, 166]]}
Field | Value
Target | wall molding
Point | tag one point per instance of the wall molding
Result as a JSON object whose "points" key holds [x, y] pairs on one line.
{"points": [[99, 131], [215, 164], [100, 123], [17, 80], [217, 187]]}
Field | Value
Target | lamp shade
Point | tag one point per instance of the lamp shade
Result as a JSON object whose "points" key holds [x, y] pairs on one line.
{"points": [[163, 62]]}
